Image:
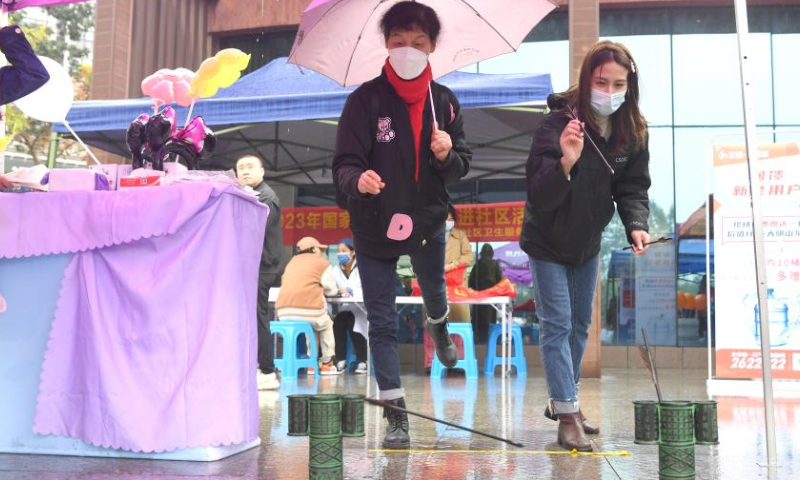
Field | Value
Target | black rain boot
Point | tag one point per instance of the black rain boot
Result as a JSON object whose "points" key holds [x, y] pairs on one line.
{"points": [[445, 348], [397, 429]]}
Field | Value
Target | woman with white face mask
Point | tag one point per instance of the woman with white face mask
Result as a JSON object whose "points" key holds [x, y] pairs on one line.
{"points": [[587, 156], [400, 142]]}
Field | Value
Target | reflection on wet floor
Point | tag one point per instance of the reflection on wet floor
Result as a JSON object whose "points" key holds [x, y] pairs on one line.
{"points": [[510, 409]]}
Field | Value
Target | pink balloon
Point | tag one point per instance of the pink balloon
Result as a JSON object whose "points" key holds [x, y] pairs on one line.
{"points": [[163, 92], [400, 227], [149, 83], [182, 91], [184, 74], [171, 76]]}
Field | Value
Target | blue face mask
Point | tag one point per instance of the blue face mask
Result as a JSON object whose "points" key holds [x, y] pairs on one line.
{"points": [[344, 258]]}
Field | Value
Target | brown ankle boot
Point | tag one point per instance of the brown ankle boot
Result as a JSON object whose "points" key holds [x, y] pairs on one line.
{"points": [[588, 427], [570, 433]]}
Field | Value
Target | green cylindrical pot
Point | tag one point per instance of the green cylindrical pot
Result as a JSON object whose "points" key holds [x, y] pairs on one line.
{"points": [[298, 415], [353, 415], [325, 452], [705, 422], [325, 416], [675, 461], [645, 416], [334, 473], [676, 423]]}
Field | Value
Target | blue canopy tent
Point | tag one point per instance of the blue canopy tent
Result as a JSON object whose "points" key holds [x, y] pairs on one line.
{"points": [[288, 116]]}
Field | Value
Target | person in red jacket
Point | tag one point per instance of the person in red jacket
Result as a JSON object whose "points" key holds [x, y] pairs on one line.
{"points": [[394, 158]]}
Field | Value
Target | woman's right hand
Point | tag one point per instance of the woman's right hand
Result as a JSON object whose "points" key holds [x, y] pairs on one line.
{"points": [[571, 145], [370, 182]]}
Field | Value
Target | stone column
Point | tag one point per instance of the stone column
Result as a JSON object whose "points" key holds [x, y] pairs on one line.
{"points": [[584, 31]]}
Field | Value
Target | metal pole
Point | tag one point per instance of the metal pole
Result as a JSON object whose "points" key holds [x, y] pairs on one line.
{"points": [[709, 210], [742, 32], [52, 153]]}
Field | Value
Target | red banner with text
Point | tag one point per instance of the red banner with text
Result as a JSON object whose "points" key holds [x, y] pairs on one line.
{"points": [[488, 222]]}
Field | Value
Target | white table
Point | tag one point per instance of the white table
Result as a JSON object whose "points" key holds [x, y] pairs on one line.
{"points": [[500, 304]]}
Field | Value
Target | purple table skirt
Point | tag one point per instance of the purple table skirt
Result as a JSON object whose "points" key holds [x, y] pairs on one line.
{"points": [[153, 344]]}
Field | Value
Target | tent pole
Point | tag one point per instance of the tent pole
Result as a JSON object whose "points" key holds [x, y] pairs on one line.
{"points": [[742, 33], [275, 151], [52, 152]]}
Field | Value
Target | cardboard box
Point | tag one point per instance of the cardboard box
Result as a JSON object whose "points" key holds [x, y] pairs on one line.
{"points": [[113, 172], [72, 180], [132, 182]]}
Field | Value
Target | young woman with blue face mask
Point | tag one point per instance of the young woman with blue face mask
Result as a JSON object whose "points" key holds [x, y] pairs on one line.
{"points": [[348, 281], [588, 156]]}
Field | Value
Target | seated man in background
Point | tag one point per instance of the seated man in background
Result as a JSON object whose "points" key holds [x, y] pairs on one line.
{"points": [[308, 278]]}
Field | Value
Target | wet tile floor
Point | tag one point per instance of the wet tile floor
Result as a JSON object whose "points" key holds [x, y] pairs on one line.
{"points": [[510, 409]]}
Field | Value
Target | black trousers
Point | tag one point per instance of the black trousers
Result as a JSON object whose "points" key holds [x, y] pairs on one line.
{"points": [[343, 324], [266, 350]]}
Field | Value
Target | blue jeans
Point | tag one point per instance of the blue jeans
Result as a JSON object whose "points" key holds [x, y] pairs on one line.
{"points": [[378, 276], [564, 296]]}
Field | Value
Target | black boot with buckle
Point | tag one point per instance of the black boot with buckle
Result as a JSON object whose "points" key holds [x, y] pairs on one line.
{"points": [[397, 430], [445, 348]]}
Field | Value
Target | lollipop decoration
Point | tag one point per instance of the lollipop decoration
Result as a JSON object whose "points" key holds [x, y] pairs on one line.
{"points": [[159, 129], [193, 143], [156, 139], [136, 140]]}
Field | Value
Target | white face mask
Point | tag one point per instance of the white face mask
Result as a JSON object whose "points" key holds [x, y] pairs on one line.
{"points": [[449, 224], [408, 62], [605, 104]]}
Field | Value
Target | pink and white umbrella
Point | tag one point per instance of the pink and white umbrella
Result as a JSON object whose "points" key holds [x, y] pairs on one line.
{"points": [[11, 5], [342, 39]]}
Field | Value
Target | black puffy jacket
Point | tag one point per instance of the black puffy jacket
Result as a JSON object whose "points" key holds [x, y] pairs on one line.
{"points": [[564, 219], [26, 72], [375, 134]]}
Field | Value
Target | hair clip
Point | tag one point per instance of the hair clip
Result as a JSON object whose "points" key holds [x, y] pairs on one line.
{"points": [[633, 66]]}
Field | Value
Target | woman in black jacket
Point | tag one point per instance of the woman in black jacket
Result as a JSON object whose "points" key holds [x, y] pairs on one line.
{"points": [[572, 190], [394, 157]]}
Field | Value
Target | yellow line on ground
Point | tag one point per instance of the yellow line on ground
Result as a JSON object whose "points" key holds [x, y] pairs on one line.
{"points": [[573, 453]]}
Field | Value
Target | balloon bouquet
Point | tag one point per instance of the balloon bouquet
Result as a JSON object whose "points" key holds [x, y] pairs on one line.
{"points": [[157, 138]]}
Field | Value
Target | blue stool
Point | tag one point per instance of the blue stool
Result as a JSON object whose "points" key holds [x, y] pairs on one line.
{"points": [[353, 360], [469, 363], [493, 360], [351, 355], [292, 360]]}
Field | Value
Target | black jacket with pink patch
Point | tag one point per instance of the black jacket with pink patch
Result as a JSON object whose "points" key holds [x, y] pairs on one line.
{"points": [[375, 134]]}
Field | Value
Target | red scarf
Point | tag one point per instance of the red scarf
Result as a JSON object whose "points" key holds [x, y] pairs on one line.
{"points": [[415, 93]]}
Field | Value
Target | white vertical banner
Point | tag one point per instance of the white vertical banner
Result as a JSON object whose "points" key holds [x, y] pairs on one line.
{"points": [[738, 332]]}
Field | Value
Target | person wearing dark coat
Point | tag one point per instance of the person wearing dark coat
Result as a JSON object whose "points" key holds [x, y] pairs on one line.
{"points": [[395, 156], [24, 74], [485, 274], [573, 189]]}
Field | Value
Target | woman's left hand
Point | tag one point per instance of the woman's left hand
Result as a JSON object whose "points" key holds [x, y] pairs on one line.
{"points": [[441, 144], [4, 182], [640, 238]]}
